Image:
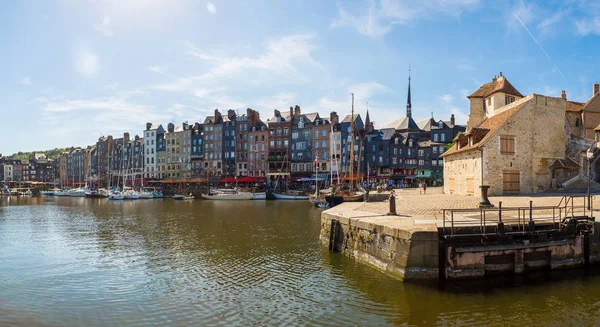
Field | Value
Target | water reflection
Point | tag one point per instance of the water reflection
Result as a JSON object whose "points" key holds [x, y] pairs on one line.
{"points": [[76, 261]]}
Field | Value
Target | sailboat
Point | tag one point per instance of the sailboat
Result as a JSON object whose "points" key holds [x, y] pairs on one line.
{"points": [[351, 195]]}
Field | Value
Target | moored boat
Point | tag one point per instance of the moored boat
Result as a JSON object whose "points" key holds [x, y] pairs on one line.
{"points": [[226, 194], [259, 196], [183, 197], [96, 194], [116, 195], [292, 195]]}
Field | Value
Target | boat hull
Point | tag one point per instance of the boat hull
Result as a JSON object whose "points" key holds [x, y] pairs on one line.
{"points": [[290, 197], [229, 197], [259, 196]]}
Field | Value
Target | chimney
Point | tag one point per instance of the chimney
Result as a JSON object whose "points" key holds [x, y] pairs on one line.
{"points": [[333, 117], [231, 114], [218, 117], [148, 126], [563, 94], [126, 137], [291, 113], [297, 111], [452, 120], [276, 113], [170, 128], [595, 89]]}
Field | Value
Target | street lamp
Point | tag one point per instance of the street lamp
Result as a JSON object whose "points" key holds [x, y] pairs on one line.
{"points": [[590, 156]]}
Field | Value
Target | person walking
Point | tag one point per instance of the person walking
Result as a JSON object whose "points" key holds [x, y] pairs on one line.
{"points": [[425, 188], [420, 188]]}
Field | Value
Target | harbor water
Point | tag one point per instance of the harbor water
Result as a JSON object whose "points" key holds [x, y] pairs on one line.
{"points": [[94, 262]]}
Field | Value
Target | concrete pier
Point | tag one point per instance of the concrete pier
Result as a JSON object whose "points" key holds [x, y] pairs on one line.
{"points": [[415, 244]]}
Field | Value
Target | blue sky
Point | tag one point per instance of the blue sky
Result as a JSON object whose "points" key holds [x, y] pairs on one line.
{"points": [[75, 70]]}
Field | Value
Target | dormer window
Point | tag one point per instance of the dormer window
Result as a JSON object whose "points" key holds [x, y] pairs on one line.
{"points": [[410, 144], [440, 125], [508, 99]]}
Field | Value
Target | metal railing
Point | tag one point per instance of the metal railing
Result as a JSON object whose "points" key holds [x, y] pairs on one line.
{"points": [[511, 220]]}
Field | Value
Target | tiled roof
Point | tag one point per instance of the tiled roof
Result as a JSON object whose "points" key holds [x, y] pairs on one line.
{"points": [[499, 84], [567, 163], [574, 106], [486, 129]]}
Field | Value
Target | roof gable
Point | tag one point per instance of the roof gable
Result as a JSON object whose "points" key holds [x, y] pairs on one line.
{"points": [[486, 129], [498, 84]]}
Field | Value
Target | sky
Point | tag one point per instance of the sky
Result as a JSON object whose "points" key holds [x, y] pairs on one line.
{"points": [[74, 70]]}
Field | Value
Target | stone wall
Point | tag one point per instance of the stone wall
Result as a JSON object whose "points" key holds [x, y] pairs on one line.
{"points": [[405, 253], [591, 118], [539, 131], [459, 169]]}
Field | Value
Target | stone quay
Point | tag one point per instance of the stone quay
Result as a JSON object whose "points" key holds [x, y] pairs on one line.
{"points": [[441, 236]]}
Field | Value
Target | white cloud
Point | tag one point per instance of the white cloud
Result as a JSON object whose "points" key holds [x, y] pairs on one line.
{"points": [[26, 80], [588, 26], [464, 66], [113, 86], [211, 8], [86, 63], [380, 16], [288, 59], [105, 27], [546, 25], [524, 11], [446, 98], [158, 69]]}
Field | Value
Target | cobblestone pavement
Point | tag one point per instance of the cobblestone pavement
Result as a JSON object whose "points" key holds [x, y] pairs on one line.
{"points": [[410, 203]]}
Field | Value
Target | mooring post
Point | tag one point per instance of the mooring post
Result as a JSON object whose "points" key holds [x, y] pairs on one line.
{"points": [[332, 234], [586, 251], [531, 223], [500, 223], [392, 200]]}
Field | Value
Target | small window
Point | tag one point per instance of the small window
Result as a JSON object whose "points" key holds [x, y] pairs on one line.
{"points": [[441, 125], [508, 99], [577, 122], [507, 144]]}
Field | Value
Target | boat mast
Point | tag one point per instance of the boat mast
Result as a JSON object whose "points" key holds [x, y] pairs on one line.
{"points": [[352, 146]]}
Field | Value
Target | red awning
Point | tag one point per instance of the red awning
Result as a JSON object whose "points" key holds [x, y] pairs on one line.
{"points": [[227, 180]]}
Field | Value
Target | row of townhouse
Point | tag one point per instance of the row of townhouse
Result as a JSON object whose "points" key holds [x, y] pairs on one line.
{"points": [[297, 144], [290, 143], [38, 168]]}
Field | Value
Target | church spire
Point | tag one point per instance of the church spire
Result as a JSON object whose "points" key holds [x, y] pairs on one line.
{"points": [[408, 104], [367, 119]]}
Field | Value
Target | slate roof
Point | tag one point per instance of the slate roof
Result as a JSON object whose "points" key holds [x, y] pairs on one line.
{"points": [[348, 118], [312, 116], [486, 129], [499, 84], [387, 133], [403, 123], [426, 124]]}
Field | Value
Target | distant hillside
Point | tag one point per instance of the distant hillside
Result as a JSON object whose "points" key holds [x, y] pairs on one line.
{"points": [[51, 154]]}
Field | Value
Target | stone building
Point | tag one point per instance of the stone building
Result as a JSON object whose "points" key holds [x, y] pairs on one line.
{"points": [[505, 150]]}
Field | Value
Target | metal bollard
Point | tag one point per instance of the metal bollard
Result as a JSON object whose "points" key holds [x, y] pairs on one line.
{"points": [[501, 230], [392, 200], [531, 225]]}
